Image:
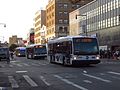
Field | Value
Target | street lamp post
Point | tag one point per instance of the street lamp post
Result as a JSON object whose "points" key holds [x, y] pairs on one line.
{"points": [[86, 22]]}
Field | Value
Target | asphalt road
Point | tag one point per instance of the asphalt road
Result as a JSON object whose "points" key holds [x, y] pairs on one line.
{"points": [[26, 74]]}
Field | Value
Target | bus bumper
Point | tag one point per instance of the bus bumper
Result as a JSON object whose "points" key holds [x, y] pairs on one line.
{"points": [[85, 62]]}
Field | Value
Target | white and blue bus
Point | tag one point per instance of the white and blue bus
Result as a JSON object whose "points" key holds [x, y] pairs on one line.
{"points": [[72, 50], [36, 51], [20, 51]]}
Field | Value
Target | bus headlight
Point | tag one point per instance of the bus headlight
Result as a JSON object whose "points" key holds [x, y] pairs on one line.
{"points": [[97, 57], [74, 57], [18, 53], [35, 55]]}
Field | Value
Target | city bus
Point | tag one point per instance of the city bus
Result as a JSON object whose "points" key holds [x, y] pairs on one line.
{"points": [[20, 51], [36, 51], [72, 50]]}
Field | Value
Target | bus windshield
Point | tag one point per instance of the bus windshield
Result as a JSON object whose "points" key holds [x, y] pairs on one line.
{"points": [[21, 51], [85, 46], [41, 50]]}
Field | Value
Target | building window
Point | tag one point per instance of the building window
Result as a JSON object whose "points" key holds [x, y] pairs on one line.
{"points": [[60, 29], [78, 6], [65, 5], [65, 13], [60, 13], [60, 5], [60, 21], [65, 29], [65, 21]]}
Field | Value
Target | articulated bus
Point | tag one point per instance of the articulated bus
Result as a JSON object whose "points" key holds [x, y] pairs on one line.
{"points": [[36, 51], [20, 51], [72, 50]]}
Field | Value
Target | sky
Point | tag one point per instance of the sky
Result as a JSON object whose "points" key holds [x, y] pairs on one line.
{"points": [[18, 15]]}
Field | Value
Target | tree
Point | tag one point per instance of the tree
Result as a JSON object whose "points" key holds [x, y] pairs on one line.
{"points": [[12, 47]]}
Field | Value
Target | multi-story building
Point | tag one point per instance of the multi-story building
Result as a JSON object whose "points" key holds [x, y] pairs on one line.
{"points": [[43, 34], [30, 37], [14, 40], [100, 18], [40, 20], [57, 16]]}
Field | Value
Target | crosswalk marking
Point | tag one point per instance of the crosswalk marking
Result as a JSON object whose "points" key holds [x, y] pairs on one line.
{"points": [[98, 78], [43, 63], [26, 64], [44, 80], [21, 71], [30, 81], [114, 73], [13, 82], [34, 64], [69, 82], [2, 65], [11, 65], [87, 81], [19, 65]]}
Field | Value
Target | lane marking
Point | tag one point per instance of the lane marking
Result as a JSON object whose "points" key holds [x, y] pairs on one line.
{"points": [[98, 78], [21, 71], [30, 81], [114, 73], [13, 82], [69, 82], [87, 81], [44, 80]]}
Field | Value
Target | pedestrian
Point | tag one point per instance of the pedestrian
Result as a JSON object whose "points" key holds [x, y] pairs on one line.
{"points": [[116, 54], [12, 55]]}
